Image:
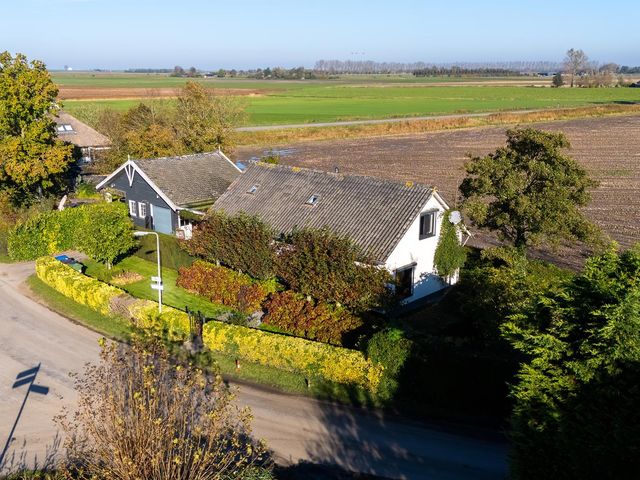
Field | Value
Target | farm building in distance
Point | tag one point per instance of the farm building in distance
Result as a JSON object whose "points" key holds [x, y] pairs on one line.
{"points": [[396, 224], [158, 189], [87, 141]]}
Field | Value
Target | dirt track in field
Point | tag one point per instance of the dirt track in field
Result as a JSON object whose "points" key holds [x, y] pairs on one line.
{"points": [[126, 93], [608, 147]]}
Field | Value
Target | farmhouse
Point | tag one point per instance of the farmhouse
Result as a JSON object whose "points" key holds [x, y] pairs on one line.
{"points": [[87, 142], [157, 190], [396, 224]]}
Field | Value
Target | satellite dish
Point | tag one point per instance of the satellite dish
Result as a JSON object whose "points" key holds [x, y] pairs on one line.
{"points": [[455, 217]]}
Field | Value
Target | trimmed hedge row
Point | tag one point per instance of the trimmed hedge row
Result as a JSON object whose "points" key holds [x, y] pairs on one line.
{"points": [[335, 364], [225, 286], [321, 321], [101, 230]]}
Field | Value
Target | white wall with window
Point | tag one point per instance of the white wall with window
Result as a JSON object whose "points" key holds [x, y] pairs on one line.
{"points": [[411, 262]]}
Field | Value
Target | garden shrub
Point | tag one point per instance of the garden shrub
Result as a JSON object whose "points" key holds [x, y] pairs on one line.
{"points": [[173, 254], [225, 286], [390, 349], [314, 359], [79, 288], [450, 255], [332, 363], [293, 313], [331, 268], [101, 230], [242, 242]]}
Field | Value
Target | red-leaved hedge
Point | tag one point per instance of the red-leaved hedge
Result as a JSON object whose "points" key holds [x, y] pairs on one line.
{"points": [[225, 286], [320, 321]]}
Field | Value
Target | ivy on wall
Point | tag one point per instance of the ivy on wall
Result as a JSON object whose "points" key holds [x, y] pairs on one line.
{"points": [[450, 255]]}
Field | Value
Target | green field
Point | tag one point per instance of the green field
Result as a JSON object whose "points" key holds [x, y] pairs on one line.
{"points": [[284, 102]]}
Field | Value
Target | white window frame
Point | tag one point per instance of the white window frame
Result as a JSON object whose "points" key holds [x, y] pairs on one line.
{"points": [[133, 208], [433, 224], [142, 210]]}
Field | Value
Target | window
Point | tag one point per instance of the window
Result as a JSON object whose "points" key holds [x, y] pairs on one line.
{"points": [[132, 208], [142, 209], [253, 189], [428, 224], [404, 281], [313, 199]]}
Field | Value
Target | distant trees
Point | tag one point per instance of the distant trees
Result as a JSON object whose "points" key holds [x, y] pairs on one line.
{"points": [[557, 80], [529, 191], [32, 159], [576, 397], [575, 62], [200, 121]]}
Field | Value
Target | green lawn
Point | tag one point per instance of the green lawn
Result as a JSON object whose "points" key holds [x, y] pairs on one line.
{"points": [[315, 103], [172, 295]]}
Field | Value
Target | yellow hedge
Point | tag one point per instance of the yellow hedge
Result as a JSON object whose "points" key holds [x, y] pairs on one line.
{"points": [[80, 288], [336, 364], [295, 354]]}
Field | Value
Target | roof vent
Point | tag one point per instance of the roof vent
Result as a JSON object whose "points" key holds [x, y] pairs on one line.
{"points": [[336, 169], [253, 189], [313, 199]]}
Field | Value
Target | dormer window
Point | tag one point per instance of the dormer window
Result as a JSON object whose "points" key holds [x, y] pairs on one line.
{"points": [[313, 199], [253, 189]]}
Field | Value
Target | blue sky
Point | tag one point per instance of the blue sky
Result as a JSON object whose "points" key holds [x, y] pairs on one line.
{"points": [[249, 33]]}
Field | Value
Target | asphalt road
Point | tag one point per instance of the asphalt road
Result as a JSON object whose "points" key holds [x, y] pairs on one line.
{"points": [[296, 428]]}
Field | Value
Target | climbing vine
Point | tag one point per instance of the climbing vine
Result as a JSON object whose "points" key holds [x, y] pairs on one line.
{"points": [[450, 255]]}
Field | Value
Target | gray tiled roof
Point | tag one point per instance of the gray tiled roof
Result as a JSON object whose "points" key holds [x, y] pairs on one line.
{"points": [[190, 179], [375, 213], [82, 134]]}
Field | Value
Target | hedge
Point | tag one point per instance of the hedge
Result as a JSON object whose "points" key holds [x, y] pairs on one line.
{"points": [[173, 254], [336, 364], [294, 313], [228, 287], [101, 230]]}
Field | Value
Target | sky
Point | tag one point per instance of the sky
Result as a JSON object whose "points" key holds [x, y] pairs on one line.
{"points": [[118, 34]]}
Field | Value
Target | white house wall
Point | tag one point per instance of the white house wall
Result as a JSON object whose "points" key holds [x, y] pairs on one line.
{"points": [[411, 249]]}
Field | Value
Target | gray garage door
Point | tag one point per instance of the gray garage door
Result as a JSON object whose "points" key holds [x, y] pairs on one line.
{"points": [[162, 220]]}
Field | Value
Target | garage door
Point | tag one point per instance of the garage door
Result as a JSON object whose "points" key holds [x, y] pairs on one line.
{"points": [[162, 220]]}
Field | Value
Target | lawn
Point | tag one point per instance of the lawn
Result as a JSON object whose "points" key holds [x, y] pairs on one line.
{"points": [[322, 102], [172, 295]]}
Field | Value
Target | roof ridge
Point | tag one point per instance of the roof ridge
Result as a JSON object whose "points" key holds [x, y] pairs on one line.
{"points": [[296, 169], [176, 157]]}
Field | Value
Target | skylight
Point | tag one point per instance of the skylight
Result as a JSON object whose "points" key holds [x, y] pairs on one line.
{"points": [[64, 128], [253, 189], [313, 199]]}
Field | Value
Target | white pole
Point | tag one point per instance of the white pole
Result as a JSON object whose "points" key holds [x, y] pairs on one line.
{"points": [[159, 273]]}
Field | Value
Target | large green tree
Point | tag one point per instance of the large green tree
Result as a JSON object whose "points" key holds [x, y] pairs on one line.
{"points": [[32, 159], [206, 121], [529, 192], [576, 409]]}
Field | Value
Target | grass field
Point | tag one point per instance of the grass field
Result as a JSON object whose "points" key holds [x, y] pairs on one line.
{"points": [[348, 98]]}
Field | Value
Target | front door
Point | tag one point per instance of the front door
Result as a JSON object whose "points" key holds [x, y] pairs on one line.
{"points": [[162, 220]]}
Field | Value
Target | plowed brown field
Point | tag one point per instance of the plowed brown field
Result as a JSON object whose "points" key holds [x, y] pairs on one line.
{"points": [[608, 147]]}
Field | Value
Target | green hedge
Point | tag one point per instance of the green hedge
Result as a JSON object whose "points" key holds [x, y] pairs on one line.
{"points": [[335, 364], [73, 228], [173, 255]]}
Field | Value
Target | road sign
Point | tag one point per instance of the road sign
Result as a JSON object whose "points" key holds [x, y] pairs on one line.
{"points": [[155, 286], [156, 279]]}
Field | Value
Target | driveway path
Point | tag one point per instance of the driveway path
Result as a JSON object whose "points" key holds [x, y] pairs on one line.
{"points": [[296, 428]]}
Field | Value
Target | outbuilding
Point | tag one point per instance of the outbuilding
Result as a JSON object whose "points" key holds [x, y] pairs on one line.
{"points": [[157, 190]]}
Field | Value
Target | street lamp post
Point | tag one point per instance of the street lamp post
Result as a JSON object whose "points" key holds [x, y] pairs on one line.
{"points": [[158, 285]]}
